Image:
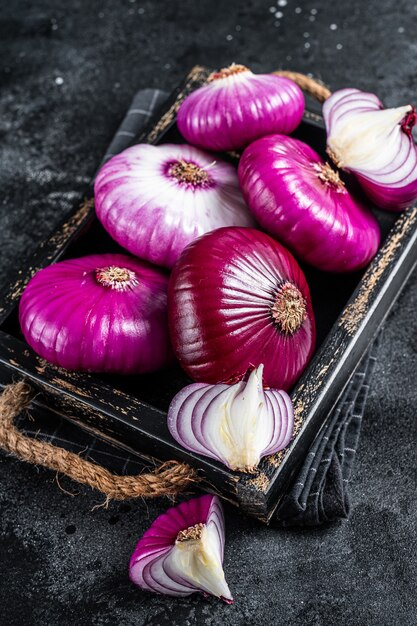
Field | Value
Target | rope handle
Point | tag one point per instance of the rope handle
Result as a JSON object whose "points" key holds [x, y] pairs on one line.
{"points": [[311, 85], [169, 479]]}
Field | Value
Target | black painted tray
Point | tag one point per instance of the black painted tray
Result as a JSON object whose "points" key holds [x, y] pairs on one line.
{"points": [[132, 410]]}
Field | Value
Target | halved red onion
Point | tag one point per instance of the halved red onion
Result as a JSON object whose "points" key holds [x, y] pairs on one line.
{"points": [[237, 298], [375, 144], [154, 200], [99, 313], [234, 424], [300, 200], [182, 552], [237, 106]]}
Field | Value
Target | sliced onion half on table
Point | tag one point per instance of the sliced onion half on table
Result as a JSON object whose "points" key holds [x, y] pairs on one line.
{"points": [[234, 424], [237, 106], [154, 200], [375, 144], [301, 200], [182, 552]]}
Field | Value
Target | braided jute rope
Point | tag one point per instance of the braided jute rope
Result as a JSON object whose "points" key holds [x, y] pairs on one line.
{"points": [[167, 480], [311, 85]]}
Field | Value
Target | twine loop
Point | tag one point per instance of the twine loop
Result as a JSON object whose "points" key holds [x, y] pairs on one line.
{"points": [[169, 479], [313, 86]]}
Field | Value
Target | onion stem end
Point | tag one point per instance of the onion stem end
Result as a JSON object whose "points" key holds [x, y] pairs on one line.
{"points": [[289, 309]]}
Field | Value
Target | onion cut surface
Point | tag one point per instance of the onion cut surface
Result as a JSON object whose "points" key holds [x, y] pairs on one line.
{"points": [[182, 552], [375, 144], [234, 424]]}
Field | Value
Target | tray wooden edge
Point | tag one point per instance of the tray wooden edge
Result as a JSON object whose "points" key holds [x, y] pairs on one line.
{"points": [[328, 373]]}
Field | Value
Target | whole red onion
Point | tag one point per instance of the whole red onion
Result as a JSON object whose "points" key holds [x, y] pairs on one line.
{"points": [[154, 200], [300, 200], [99, 313], [237, 106], [236, 299]]}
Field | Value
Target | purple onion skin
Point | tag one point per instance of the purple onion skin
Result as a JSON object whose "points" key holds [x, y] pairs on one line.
{"points": [[220, 298], [393, 187], [390, 199], [319, 221], [73, 321], [229, 113], [153, 214], [157, 542], [166, 527]]}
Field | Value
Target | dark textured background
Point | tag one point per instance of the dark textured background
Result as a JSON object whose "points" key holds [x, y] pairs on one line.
{"points": [[68, 72]]}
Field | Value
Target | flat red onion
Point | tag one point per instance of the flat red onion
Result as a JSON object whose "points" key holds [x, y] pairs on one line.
{"points": [[375, 144], [237, 106], [154, 200], [300, 200], [182, 552], [234, 424], [236, 299], [99, 313]]}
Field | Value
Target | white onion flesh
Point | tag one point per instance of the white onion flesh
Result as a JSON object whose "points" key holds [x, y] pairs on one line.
{"points": [[234, 424], [182, 552]]}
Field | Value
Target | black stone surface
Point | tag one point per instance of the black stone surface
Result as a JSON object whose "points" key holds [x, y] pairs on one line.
{"points": [[68, 72]]}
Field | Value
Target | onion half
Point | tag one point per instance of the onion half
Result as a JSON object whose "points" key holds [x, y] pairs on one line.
{"points": [[234, 424], [182, 552], [375, 144]]}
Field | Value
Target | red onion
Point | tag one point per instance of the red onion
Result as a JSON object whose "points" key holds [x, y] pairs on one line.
{"points": [[300, 200], [154, 200], [182, 552], [99, 313], [234, 424], [237, 107], [375, 144], [236, 299]]}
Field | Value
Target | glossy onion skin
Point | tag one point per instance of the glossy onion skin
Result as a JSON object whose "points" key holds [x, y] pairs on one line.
{"points": [[74, 322], [152, 214], [320, 223], [151, 564], [229, 113], [220, 296], [392, 183]]}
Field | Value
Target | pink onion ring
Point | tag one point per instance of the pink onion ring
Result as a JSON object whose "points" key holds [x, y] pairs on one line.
{"points": [[375, 144]]}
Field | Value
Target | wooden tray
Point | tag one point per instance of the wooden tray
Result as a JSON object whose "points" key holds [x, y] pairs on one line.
{"points": [[132, 410]]}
